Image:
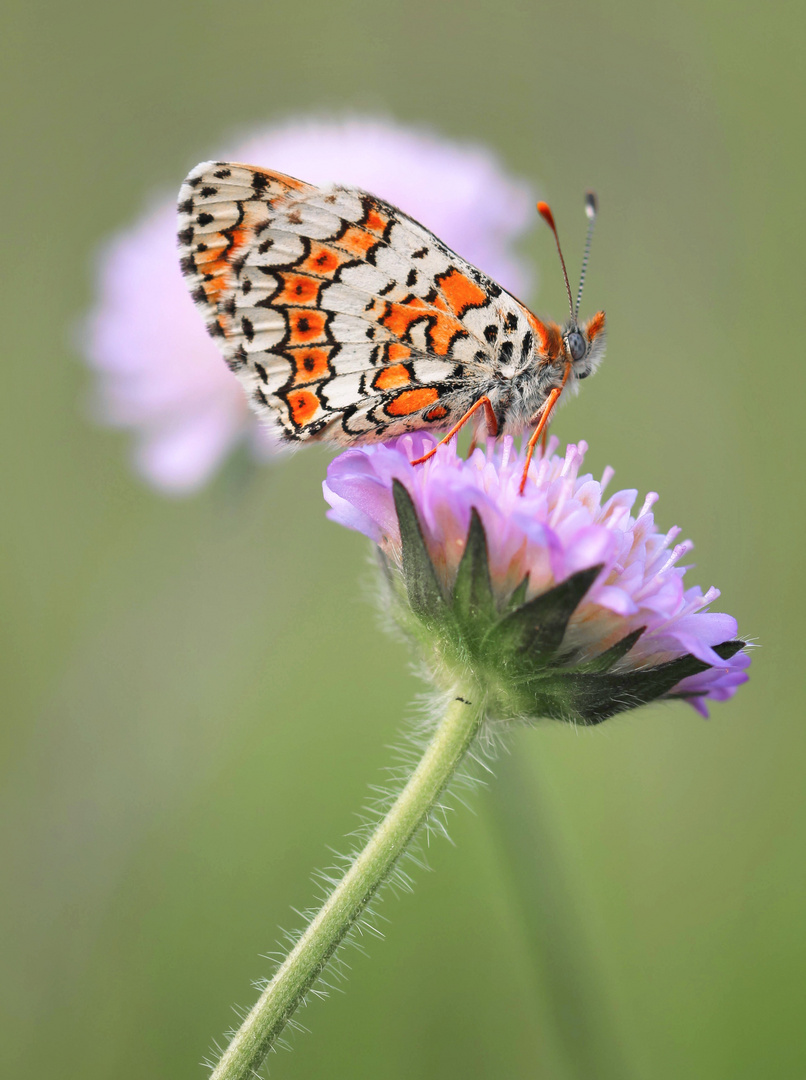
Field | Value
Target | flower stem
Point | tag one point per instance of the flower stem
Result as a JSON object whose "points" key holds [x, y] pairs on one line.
{"points": [[370, 868]]}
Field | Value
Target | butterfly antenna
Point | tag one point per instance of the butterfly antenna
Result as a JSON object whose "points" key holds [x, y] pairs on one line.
{"points": [[545, 212], [590, 210]]}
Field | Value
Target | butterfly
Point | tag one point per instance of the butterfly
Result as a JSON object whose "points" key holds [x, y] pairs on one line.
{"points": [[348, 321]]}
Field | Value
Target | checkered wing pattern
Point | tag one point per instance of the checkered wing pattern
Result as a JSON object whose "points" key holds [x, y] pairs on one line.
{"points": [[343, 318]]}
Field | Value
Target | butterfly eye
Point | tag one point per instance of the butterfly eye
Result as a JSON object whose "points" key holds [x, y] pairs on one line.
{"points": [[576, 345]]}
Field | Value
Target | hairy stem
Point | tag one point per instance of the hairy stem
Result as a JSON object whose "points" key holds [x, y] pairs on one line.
{"points": [[371, 867]]}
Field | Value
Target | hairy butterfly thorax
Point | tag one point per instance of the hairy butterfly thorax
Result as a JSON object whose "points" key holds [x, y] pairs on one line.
{"points": [[348, 321]]}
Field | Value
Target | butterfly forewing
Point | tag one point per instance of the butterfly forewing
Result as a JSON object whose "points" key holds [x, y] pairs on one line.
{"points": [[344, 318]]}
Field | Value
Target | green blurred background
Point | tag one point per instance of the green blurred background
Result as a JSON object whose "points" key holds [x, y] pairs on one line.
{"points": [[196, 693]]}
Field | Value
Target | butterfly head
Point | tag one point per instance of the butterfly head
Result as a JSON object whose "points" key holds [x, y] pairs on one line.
{"points": [[583, 345]]}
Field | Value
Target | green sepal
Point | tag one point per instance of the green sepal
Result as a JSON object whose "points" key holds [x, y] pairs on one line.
{"points": [[610, 657], [473, 599], [588, 698], [539, 625], [424, 591], [518, 595]]}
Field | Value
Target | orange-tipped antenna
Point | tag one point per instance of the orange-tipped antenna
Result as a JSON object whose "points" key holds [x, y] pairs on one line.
{"points": [[545, 212], [590, 210]]}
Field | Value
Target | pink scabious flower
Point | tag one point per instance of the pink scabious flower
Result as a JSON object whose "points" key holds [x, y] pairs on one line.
{"points": [[568, 604], [160, 376]]}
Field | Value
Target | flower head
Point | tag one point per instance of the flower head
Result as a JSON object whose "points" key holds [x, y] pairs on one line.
{"points": [[565, 603], [163, 378]]}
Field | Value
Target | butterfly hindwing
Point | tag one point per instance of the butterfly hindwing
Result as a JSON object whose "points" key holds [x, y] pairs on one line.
{"points": [[344, 318]]}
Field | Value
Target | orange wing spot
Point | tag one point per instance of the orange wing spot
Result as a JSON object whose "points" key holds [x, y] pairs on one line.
{"points": [[218, 262], [298, 289], [400, 317], [218, 284], [595, 326], [209, 255], [460, 292], [443, 329], [411, 401], [310, 365], [549, 337], [287, 181], [305, 326], [303, 405], [438, 413], [322, 260], [540, 329], [357, 241], [278, 178], [555, 337], [390, 378], [442, 333], [376, 222], [396, 351]]}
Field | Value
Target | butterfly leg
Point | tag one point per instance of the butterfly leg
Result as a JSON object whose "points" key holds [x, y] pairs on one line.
{"points": [[542, 427], [545, 413], [492, 426]]}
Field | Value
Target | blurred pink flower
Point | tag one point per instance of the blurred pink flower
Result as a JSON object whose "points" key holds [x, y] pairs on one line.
{"points": [[160, 375]]}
